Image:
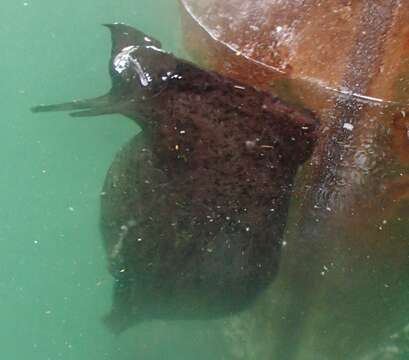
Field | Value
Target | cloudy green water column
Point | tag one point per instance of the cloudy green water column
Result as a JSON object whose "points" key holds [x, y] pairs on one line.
{"points": [[54, 287]]}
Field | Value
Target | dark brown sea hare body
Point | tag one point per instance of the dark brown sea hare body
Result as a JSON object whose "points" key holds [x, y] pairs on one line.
{"points": [[194, 207]]}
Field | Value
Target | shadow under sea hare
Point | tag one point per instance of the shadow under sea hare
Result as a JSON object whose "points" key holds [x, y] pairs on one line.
{"points": [[194, 207]]}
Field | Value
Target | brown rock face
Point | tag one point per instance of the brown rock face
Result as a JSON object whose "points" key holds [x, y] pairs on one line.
{"points": [[194, 207]]}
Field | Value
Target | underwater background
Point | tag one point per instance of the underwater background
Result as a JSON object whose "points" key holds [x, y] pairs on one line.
{"points": [[54, 285]]}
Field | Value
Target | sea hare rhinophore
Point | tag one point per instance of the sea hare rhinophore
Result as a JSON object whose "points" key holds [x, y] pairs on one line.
{"points": [[194, 207]]}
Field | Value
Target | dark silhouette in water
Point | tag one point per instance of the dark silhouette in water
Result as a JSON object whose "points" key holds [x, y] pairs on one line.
{"points": [[194, 207]]}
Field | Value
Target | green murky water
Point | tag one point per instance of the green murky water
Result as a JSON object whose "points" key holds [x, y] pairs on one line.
{"points": [[54, 287]]}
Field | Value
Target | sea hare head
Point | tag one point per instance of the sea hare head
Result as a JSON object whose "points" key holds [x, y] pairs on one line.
{"points": [[194, 207]]}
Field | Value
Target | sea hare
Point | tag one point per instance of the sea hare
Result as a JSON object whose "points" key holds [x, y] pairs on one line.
{"points": [[194, 207]]}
